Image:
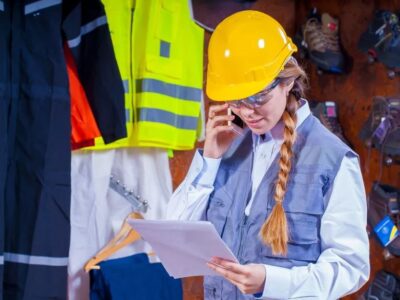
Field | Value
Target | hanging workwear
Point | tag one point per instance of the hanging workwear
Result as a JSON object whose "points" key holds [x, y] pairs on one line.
{"points": [[133, 277], [169, 74], [99, 74], [246, 52], [159, 51], [35, 132], [84, 128], [97, 211]]}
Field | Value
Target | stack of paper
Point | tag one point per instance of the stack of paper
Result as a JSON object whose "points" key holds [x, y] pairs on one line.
{"points": [[184, 247]]}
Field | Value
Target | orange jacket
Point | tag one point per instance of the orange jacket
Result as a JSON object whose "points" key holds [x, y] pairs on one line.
{"points": [[83, 124]]}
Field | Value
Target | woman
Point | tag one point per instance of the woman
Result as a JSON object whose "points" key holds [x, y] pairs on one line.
{"points": [[285, 194]]}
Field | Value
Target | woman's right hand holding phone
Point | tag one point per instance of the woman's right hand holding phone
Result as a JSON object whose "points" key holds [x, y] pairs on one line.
{"points": [[219, 131]]}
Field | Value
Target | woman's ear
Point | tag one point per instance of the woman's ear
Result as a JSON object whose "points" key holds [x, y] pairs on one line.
{"points": [[288, 87]]}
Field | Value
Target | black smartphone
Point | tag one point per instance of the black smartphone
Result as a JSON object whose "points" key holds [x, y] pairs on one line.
{"points": [[238, 121]]}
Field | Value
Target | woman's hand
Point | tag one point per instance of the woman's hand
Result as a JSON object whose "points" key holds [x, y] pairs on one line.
{"points": [[249, 279], [219, 135]]}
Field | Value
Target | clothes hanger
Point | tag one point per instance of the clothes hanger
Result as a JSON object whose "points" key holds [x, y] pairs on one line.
{"points": [[126, 235]]}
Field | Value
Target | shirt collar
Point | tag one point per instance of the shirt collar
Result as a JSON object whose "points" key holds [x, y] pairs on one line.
{"points": [[276, 133]]}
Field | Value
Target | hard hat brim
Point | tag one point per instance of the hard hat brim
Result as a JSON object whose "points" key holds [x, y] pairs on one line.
{"points": [[234, 92]]}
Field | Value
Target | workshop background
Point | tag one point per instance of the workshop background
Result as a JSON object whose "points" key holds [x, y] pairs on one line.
{"points": [[352, 93]]}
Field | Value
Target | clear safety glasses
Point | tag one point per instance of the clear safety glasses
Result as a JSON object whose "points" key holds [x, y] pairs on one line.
{"points": [[258, 99]]}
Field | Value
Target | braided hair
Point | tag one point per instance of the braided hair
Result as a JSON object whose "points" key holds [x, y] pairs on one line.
{"points": [[274, 231]]}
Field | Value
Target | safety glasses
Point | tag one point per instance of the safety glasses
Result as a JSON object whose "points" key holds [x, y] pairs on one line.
{"points": [[256, 100]]}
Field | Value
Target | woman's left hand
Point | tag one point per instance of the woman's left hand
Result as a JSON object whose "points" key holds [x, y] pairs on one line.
{"points": [[249, 279]]}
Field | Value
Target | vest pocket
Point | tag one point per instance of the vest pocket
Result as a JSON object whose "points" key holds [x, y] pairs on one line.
{"points": [[170, 67], [304, 207], [304, 194], [210, 292], [163, 57], [304, 244], [212, 287], [217, 213], [303, 228]]}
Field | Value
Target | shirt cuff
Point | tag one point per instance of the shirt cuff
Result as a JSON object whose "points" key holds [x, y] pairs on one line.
{"points": [[277, 283], [208, 173]]}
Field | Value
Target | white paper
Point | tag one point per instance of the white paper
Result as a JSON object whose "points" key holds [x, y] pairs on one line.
{"points": [[184, 247]]}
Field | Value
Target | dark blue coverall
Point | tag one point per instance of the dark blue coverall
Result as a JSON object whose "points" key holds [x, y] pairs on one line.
{"points": [[133, 278], [35, 133]]}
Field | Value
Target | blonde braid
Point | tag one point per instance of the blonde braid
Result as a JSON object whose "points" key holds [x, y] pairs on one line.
{"points": [[274, 231]]}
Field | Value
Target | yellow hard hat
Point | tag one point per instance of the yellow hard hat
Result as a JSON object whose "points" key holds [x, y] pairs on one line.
{"points": [[246, 52]]}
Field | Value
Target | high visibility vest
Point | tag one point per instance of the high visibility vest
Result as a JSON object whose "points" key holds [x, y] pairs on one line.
{"points": [[159, 50]]}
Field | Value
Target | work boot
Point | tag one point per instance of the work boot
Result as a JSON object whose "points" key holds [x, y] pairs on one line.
{"points": [[377, 29], [326, 112], [382, 129], [385, 286], [384, 200], [381, 41], [388, 51], [391, 144], [320, 41], [378, 114]]}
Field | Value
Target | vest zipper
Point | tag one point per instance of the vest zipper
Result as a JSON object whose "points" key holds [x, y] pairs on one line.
{"points": [[245, 217], [243, 226]]}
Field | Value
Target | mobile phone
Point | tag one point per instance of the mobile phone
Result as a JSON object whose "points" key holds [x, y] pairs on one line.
{"points": [[236, 122]]}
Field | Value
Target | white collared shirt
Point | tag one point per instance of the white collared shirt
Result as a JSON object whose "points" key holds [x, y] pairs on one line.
{"points": [[343, 266], [266, 148]]}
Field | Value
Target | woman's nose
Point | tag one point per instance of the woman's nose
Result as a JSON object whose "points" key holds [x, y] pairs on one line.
{"points": [[246, 111]]}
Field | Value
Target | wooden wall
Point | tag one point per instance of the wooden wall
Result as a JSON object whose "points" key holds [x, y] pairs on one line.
{"points": [[353, 92]]}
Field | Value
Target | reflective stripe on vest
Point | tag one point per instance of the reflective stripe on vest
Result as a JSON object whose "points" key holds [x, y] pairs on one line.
{"points": [[172, 90], [160, 56], [165, 117]]}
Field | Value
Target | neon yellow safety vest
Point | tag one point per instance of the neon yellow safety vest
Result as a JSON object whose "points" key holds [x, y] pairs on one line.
{"points": [[159, 50]]}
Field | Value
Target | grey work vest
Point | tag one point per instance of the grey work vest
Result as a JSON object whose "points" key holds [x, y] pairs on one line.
{"points": [[318, 155]]}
